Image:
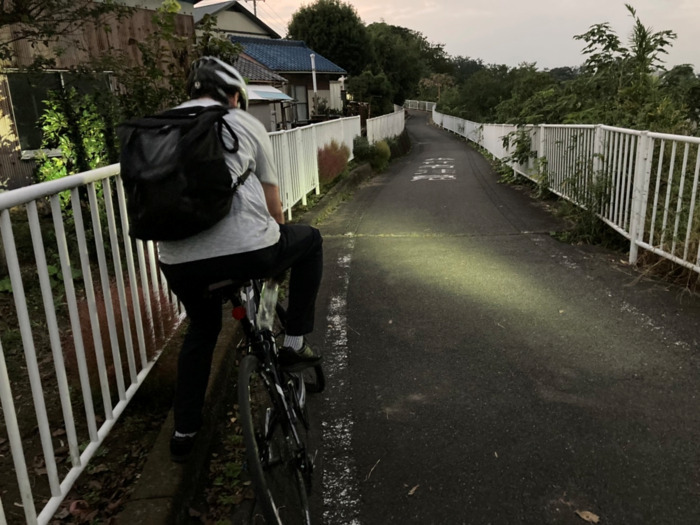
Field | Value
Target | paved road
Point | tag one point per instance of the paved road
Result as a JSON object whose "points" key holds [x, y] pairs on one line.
{"points": [[481, 372]]}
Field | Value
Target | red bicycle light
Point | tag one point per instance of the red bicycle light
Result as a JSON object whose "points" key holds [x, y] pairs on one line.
{"points": [[238, 313]]}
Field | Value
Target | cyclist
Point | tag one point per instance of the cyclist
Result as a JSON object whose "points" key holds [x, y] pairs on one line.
{"points": [[251, 242]]}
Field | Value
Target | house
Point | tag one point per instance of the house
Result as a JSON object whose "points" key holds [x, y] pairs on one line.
{"points": [[286, 58], [266, 100], [283, 84], [233, 19], [314, 82], [22, 93]]}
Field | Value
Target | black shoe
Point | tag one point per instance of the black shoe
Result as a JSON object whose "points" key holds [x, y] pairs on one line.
{"points": [[181, 448], [295, 361]]}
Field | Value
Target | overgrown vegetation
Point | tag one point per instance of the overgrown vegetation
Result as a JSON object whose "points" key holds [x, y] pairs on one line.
{"points": [[332, 162], [377, 154], [619, 84], [83, 124]]}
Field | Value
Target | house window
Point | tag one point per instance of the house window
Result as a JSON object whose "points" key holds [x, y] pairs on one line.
{"points": [[302, 106], [28, 91]]}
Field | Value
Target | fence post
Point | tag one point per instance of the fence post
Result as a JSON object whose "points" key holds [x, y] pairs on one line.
{"points": [[640, 192], [285, 172], [300, 165], [317, 179], [598, 147]]}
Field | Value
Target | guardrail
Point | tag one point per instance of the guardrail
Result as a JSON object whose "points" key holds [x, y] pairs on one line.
{"points": [[642, 184], [91, 315]]}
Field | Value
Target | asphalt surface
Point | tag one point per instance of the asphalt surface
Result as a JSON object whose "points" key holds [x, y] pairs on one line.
{"points": [[482, 372]]}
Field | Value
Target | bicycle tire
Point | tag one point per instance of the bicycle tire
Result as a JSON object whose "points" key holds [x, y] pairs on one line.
{"points": [[274, 463], [314, 379]]}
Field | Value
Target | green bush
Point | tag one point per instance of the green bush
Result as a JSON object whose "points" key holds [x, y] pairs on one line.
{"points": [[380, 155], [377, 154], [361, 149], [400, 145]]}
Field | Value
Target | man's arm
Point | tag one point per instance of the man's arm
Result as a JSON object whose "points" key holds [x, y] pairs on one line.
{"points": [[274, 203]]}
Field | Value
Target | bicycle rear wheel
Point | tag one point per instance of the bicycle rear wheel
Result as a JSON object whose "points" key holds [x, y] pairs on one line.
{"points": [[279, 465]]}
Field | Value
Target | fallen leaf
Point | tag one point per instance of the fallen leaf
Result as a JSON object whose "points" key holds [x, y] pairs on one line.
{"points": [[413, 490], [587, 516], [78, 507]]}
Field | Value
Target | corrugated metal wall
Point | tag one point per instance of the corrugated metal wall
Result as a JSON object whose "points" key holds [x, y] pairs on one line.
{"points": [[77, 49]]}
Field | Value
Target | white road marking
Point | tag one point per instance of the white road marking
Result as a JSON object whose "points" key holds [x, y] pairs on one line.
{"points": [[433, 177], [341, 497], [442, 168]]}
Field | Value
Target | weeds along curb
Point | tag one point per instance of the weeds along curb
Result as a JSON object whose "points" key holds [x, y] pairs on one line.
{"points": [[337, 194], [165, 490]]}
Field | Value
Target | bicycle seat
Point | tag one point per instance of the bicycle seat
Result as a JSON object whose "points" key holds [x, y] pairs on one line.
{"points": [[227, 283], [227, 288]]}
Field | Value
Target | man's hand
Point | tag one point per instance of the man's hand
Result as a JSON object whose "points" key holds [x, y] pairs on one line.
{"points": [[274, 203]]}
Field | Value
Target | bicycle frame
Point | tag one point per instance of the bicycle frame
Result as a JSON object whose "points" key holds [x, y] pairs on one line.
{"points": [[262, 344]]}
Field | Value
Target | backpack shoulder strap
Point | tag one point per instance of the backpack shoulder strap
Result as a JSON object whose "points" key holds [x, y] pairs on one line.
{"points": [[241, 179]]}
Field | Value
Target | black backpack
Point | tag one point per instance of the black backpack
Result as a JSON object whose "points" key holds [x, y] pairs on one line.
{"points": [[174, 172]]}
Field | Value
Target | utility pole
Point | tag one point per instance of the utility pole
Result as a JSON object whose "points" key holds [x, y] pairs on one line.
{"points": [[255, 6]]}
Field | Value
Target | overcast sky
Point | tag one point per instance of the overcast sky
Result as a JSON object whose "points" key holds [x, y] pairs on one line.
{"points": [[514, 31]]}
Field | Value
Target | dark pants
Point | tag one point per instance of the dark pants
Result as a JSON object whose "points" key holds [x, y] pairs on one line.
{"points": [[299, 249]]}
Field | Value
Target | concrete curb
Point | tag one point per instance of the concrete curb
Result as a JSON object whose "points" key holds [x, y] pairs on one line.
{"points": [[337, 194], [166, 490]]}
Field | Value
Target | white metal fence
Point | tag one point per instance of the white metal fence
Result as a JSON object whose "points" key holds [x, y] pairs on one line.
{"points": [[296, 156], [386, 126], [420, 105], [91, 314], [643, 184]]}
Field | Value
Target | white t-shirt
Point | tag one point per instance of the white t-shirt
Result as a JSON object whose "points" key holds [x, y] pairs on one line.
{"points": [[248, 226]]}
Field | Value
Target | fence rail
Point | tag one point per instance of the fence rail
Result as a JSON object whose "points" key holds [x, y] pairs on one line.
{"points": [[641, 183], [91, 314], [386, 126]]}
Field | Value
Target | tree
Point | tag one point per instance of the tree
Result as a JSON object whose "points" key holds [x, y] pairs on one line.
{"points": [[432, 87], [42, 21], [684, 84], [377, 90], [405, 57], [464, 67], [526, 81], [333, 29], [619, 84]]}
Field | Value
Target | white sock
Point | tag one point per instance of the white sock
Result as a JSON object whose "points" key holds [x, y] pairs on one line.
{"points": [[295, 342]]}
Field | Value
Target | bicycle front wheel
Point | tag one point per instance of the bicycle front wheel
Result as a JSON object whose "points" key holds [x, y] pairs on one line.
{"points": [[277, 462]]}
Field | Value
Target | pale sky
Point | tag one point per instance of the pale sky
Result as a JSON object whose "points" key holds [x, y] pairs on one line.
{"points": [[514, 31]]}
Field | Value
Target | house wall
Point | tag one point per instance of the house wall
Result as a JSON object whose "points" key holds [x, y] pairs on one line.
{"points": [[327, 88], [186, 8], [94, 41], [234, 23], [269, 113]]}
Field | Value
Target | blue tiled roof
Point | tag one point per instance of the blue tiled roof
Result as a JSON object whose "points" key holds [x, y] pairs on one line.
{"points": [[285, 55]]}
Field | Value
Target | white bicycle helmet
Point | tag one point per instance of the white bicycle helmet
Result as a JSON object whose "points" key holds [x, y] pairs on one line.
{"points": [[214, 77]]}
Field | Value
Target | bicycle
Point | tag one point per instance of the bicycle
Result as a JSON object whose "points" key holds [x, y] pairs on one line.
{"points": [[272, 412]]}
